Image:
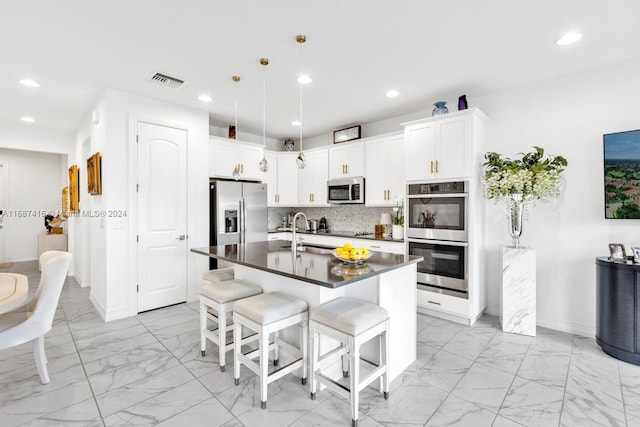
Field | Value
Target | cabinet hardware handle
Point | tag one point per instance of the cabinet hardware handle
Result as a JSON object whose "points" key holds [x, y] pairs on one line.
{"points": [[375, 246], [313, 197], [431, 166], [434, 302], [436, 166], [242, 167], [347, 168]]}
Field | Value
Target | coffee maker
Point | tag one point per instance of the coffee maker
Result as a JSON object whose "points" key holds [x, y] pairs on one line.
{"points": [[323, 227]]}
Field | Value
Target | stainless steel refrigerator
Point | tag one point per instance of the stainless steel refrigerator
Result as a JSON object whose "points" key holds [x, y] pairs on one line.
{"points": [[238, 213]]}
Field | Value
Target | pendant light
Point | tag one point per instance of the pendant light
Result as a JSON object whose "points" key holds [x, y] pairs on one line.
{"points": [[264, 163], [302, 80], [236, 169]]}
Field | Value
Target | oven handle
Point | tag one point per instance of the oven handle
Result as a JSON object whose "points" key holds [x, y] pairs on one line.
{"points": [[436, 196], [438, 242]]}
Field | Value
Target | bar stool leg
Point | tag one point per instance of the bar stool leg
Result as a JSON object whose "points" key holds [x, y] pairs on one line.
{"points": [[276, 353], [203, 326], [222, 335], [345, 364], [354, 360], [385, 359], [237, 347], [304, 348], [264, 366], [314, 349]]}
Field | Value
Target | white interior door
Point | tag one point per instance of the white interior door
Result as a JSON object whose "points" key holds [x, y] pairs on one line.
{"points": [[162, 216]]}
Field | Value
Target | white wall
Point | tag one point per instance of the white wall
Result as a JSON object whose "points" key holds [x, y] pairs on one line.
{"points": [[113, 249], [34, 190]]}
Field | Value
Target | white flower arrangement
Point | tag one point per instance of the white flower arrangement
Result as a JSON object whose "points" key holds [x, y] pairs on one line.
{"points": [[532, 177]]}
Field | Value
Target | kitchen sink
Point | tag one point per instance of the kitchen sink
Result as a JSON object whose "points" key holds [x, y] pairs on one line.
{"points": [[314, 249]]}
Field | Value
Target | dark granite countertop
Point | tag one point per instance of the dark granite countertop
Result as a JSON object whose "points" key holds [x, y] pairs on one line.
{"points": [[315, 265], [339, 233]]}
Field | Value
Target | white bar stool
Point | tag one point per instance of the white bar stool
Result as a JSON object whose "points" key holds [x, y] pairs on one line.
{"points": [[352, 322], [266, 314], [216, 302]]}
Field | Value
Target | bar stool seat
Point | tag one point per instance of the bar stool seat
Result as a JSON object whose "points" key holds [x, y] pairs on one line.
{"points": [[352, 322], [219, 275], [268, 314], [217, 299]]}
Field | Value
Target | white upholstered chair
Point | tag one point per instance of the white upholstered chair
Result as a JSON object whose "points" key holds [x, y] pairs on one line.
{"points": [[32, 324]]}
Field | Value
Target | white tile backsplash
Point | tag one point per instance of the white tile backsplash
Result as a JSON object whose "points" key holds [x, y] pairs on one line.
{"points": [[356, 218]]}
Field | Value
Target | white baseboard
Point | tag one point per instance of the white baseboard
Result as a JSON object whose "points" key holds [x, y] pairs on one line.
{"points": [[554, 323], [99, 307], [22, 259], [83, 283]]}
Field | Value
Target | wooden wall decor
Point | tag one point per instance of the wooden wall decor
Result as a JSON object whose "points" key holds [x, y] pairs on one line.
{"points": [[94, 181], [74, 185], [65, 202]]}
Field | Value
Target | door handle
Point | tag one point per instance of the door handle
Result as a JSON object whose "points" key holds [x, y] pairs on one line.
{"points": [[181, 237], [436, 166], [431, 166]]}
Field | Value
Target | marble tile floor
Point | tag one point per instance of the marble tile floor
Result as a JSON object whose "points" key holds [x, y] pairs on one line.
{"points": [[147, 370]]}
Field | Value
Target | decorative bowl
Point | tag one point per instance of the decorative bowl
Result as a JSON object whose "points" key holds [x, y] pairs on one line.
{"points": [[350, 271], [362, 260]]}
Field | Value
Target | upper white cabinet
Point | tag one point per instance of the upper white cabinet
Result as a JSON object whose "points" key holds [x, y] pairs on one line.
{"points": [[312, 180], [281, 179], [441, 147], [226, 155], [346, 160], [384, 170]]}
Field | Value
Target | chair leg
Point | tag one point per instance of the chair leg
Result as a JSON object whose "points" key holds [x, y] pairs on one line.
{"points": [[237, 348], [354, 381], [203, 327], [264, 366], [276, 352], [313, 348], [345, 364], [41, 359], [222, 335], [385, 354], [305, 356]]}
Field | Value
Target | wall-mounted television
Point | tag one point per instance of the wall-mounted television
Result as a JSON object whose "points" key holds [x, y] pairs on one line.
{"points": [[622, 175]]}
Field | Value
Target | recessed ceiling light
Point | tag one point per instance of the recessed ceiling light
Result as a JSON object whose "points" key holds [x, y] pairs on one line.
{"points": [[304, 79], [29, 82], [392, 93], [205, 98], [296, 123], [27, 119], [568, 38]]}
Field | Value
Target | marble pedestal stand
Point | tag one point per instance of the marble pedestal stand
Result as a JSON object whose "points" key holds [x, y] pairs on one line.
{"points": [[518, 291]]}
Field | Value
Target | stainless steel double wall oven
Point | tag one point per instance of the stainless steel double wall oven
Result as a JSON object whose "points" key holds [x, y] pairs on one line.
{"points": [[437, 230]]}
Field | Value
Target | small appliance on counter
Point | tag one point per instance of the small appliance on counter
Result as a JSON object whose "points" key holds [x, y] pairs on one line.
{"points": [[313, 225], [322, 226]]}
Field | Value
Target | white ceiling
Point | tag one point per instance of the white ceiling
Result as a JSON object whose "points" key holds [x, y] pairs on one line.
{"points": [[356, 50]]}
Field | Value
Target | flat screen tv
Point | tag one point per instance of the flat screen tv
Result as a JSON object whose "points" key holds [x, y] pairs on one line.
{"points": [[622, 175]]}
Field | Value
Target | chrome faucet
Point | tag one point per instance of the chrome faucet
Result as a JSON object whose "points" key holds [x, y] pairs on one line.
{"points": [[294, 242]]}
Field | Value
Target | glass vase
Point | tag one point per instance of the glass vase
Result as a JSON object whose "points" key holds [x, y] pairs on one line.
{"points": [[516, 213], [440, 108]]}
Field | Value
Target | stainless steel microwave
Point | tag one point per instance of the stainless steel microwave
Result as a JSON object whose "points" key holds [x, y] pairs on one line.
{"points": [[345, 190]]}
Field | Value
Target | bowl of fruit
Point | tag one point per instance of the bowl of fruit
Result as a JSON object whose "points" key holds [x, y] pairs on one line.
{"points": [[349, 255]]}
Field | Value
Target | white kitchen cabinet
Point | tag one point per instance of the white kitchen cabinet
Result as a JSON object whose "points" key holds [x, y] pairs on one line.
{"points": [[281, 179], [441, 147], [312, 180], [229, 154], [346, 160], [287, 179], [384, 170]]}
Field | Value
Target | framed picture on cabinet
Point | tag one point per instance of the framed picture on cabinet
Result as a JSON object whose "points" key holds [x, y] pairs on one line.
{"points": [[617, 252], [347, 134]]}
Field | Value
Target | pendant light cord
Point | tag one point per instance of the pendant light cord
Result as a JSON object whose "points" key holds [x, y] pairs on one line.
{"points": [[300, 85], [264, 108]]}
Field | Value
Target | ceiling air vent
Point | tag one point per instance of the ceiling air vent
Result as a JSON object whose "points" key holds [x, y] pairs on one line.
{"points": [[166, 80]]}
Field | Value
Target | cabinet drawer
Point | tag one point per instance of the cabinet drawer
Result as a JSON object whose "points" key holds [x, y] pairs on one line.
{"points": [[444, 303]]}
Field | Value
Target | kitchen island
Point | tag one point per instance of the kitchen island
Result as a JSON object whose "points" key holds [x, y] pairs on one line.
{"points": [[386, 279]]}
